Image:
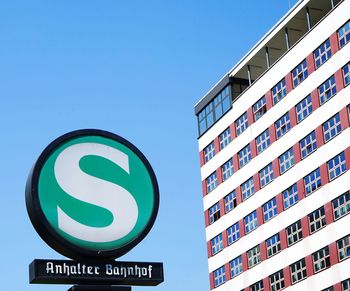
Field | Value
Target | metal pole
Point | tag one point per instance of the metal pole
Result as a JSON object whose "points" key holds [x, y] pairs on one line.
{"points": [[308, 18], [249, 76], [267, 54], [287, 37]]}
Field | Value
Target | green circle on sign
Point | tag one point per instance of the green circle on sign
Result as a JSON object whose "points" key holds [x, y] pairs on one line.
{"points": [[137, 182]]}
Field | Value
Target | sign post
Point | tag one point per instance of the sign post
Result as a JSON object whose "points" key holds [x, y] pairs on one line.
{"points": [[93, 196]]}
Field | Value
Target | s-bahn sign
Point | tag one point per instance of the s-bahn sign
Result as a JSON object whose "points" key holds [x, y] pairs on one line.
{"points": [[92, 195]]}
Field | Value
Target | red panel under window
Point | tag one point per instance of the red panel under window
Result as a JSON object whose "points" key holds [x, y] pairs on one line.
{"points": [[309, 266], [260, 216], [241, 228], [324, 174], [201, 158], [334, 42], [227, 271], [296, 152], [310, 63], [209, 249], [266, 284], [224, 238], [289, 83], [219, 175], [347, 158], [250, 116], [233, 131], [292, 117], [279, 200], [276, 168], [305, 227], [204, 187], [337, 287], [206, 218], [263, 251], [238, 195], [244, 262], [256, 180], [339, 80], [286, 275], [283, 239], [253, 150], [301, 189], [222, 207], [216, 145], [329, 213], [211, 279], [272, 133], [333, 253], [344, 118], [268, 97], [315, 99], [319, 136], [235, 162]]}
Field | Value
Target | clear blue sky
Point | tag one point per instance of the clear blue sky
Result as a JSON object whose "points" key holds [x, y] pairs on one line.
{"points": [[135, 68]]}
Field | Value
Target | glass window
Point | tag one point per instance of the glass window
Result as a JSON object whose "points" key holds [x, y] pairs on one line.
{"points": [[290, 196], [304, 108], [327, 90], [209, 152], [321, 259], [250, 222], [216, 244], [219, 276], [282, 125], [230, 201], [263, 141], [322, 53], [279, 91], [308, 145], [312, 182], [270, 209], [214, 110], [241, 124], [236, 266], [341, 205], [330, 288], [212, 182], [225, 138], [298, 271], [273, 245], [299, 73], [317, 220], [286, 160], [294, 233], [345, 285], [331, 127], [247, 188], [254, 256], [233, 233], [227, 170], [214, 213], [336, 166], [346, 74], [258, 286], [277, 281], [343, 246], [259, 108], [344, 34], [266, 175], [244, 156]]}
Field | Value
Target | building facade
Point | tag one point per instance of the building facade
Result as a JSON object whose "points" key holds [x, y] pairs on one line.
{"points": [[274, 146]]}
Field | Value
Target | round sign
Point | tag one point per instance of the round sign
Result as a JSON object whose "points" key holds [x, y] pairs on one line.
{"points": [[92, 195]]}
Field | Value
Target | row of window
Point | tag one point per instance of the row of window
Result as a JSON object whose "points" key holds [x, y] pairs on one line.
{"points": [[279, 91], [317, 219], [222, 102], [297, 271], [306, 146], [303, 109]]}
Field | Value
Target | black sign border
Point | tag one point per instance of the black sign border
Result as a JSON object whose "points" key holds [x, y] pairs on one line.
{"points": [[47, 232]]}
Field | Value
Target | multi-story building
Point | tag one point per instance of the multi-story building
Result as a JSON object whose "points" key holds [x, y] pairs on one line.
{"points": [[274, 143]]}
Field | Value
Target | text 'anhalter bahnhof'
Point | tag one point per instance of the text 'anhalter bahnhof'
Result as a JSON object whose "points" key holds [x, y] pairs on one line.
{"points": [[274, 145]]}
